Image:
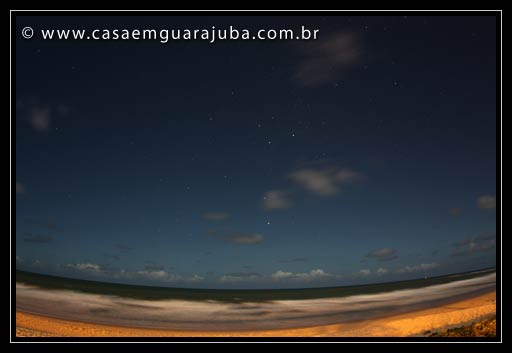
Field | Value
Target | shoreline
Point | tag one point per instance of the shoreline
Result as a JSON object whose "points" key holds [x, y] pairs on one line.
{"points": [[414, 323]]}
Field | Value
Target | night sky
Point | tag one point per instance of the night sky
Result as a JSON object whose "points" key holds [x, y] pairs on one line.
{"points": [[367, 155]]}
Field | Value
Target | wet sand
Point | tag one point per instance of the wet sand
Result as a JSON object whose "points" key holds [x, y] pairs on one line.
{"points": [[414, 323]]}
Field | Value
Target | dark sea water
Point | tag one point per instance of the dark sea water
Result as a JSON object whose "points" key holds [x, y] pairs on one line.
{"points": [[204, 309]]}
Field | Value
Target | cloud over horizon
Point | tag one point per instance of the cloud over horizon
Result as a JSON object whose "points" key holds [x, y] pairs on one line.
{"points": [[86, 266], [368, 272], [313, 275], [148, 273], [236, 277], [418, 268], [365, 272], [382, 271]]}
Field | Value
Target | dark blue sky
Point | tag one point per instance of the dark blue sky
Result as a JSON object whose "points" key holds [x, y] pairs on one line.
{"points": [[366, 155]]}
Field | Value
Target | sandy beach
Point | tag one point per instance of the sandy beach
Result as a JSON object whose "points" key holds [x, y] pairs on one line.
{"points": [[414, 323]]}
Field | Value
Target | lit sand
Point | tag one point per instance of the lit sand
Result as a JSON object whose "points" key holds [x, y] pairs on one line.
{"points": [[409, 324]]}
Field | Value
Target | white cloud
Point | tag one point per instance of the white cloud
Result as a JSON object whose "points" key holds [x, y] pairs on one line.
{"points": [[240, 277], [122, 273], [382, 271], [384, 254], [276, 200], [316, 181], [279, 275], [324, 59], [479, 243], [158, 275], [20, 188], [487, 202], [237, 237], [194, 278], [313, 275], [246, 238], [368, 272], [90, 267], [40, 119], [419, 268], [347, 176], [324, 182], [230, 279]]}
